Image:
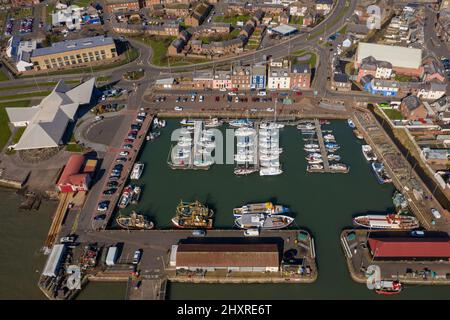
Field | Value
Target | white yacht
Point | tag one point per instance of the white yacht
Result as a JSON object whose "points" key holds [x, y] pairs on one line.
{"points": [[138, 168], [270, 171]]}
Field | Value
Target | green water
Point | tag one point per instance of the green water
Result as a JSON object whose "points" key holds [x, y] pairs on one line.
{"points": [[324, 204]]}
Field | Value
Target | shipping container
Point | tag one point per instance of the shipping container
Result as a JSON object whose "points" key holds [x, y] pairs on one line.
{"points": [[111, 256]]}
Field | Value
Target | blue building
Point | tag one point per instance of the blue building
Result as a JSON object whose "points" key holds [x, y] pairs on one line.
{"points": [[258, 77], [387, 88]]}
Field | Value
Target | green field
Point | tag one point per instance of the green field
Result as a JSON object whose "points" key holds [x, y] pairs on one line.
{"points": [[25, 95], [232, 19], [5, 132], [393, 114], [3, 76], [296, 20]]}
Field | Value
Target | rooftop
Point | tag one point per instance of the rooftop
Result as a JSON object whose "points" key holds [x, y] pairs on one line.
{"points": [[71, 45]]}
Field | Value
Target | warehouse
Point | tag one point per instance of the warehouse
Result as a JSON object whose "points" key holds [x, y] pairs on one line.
{"points": [[400, 246], [404, 60], [240, 257]]}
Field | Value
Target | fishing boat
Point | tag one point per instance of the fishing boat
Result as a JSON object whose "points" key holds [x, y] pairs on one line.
{"points": [[368, 153], [389, 221], [136, 194], [276, 151], [136, 173], [134, 222], [244, 171], [311, 149], [351, 124], [244, 132], [324, 122], [243, 157], [239, 123], [270, 171], [339, 167], [380, 173], [306, 126], [187, 122], [153, 135], [271, 125], [329, 137], [334, 157], [270, 163], [193, 215], [244, 144], [388, 287], [126, 196], [313, 167], [331, 145], [263, 207], [315, 161], [311, 146], [263, 221], [268, 133], [399, 201], [213, 123], [268, 157], [358, 134]]}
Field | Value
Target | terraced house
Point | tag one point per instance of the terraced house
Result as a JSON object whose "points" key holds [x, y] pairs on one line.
{"points": [[71, 53]]}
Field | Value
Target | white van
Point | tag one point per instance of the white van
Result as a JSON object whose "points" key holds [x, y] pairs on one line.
{"points": [[435, 213], [262, 93]]}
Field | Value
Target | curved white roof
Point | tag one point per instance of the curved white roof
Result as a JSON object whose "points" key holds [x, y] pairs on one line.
{"points": [[400, 57]]}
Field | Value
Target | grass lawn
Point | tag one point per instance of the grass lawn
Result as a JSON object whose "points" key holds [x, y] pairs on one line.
{"points": [[393, 114], [82, 3], [5, 133], [74, 147], [49, 9], [134, 75], [402, 78], [232, 19], [3, 76], [25, 95], [18, 134], [296, 20], [312, 60]]}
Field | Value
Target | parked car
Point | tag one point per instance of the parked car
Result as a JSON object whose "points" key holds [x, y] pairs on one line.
{"points": [[217, 98], [436, 213], [124, 153], [103, 206], [128, 146], [98, 118], [100, 217], [109, 191], [270, 109], [201, 99], [137, 257], [112, 184], [178, 108], [223, 89], [121, 159]]}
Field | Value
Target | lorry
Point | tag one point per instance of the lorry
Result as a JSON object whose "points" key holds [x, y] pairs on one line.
{"points": [[111, 257]]}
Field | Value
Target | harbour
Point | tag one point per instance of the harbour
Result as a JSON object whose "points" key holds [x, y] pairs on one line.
{"points": [[326, 232]]}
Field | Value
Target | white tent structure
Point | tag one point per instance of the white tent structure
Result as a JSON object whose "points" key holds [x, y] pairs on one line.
{"points": [[47, 122]]}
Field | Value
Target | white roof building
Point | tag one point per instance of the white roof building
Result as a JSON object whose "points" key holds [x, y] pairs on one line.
{"points": [[69, 16], [19, 51], [47, 122], [400, 57]]}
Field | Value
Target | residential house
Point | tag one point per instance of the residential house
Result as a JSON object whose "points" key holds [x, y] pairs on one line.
{"points": [[386, 88], [323, 7], [341, 82], [222, 79], [241, 77], [203, 80], [436, 157], [258, 76], [412, 108], [279, 75], [300, 76], [198, 14], [114, 6], [432, 90], [432, 71]]}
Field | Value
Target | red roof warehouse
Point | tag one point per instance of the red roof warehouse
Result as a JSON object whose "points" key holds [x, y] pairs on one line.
{"points": [[73, 178], [435, 247]]}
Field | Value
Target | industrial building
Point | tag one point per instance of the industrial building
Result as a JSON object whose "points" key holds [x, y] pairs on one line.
{"points": [[239, 257], [403, 246]]}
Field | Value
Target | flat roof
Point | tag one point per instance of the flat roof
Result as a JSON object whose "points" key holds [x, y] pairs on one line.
{"points": [[284, 29], [401, 57], [53, 261], [71, 45]]}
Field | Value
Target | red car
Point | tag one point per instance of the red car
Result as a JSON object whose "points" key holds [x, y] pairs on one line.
{"points": [[298, 93], [128, 140], [217, 98]]}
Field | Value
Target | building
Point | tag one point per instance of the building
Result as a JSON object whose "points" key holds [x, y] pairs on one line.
{"points": [[283, 30], [258, 76], [80, 52], [387, 88], [241, 77], [279, 78], [69, 17], [341, 82], [19, 52], [222, 79], [236, 257], [404, 60], [432, 90], [323, 6], [198, 14], [203, 80], [120, 6], [432, 71], [378, 69], [300, 76], [166, 83], [436, 157], [74, 178], [24, 3], [412, 108], [46, 123], [400, 246]]}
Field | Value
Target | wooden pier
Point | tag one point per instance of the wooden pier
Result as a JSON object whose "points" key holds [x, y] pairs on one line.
{"points": [[64, 200], [323, 150]]}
